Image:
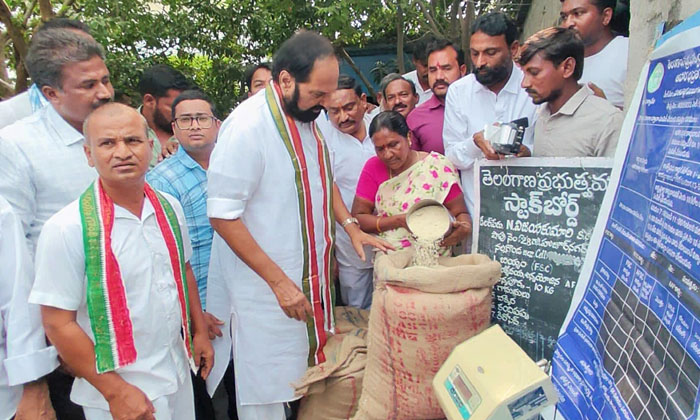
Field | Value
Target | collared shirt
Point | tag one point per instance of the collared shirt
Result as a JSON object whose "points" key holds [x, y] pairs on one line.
{"points": [[426, 123], [586, 126], [21, 105], [183, 178], [161, 364], [24, 355], [608, 70], [469, 107], [423, 94], [42, 168], [348, 155]]}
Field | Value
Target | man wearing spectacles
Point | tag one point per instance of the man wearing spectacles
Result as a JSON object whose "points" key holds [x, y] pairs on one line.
{"points": [[184, 176]]}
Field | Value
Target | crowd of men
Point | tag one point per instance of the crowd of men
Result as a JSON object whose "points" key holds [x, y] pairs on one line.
{"points": [[148, 250]]}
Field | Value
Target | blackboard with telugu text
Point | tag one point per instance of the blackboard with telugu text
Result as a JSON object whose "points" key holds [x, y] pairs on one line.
{"points": [[535, 216]]}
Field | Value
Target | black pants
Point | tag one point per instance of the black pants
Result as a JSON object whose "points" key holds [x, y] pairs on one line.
{"points": [[60, 384], [203, 407]]}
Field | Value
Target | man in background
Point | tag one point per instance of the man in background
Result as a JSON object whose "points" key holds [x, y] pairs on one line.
{"points": [[159, 85], [257, 77], [605, 55], [445, 66], [419, 76], [399, 94]]}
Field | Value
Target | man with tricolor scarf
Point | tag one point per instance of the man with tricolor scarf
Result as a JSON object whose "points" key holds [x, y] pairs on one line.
{"points": [[273, 204], [117, 294]]}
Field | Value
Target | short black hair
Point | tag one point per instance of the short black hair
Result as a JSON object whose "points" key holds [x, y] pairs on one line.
{"points": [[442, 43], [420, 48], [391, 120], [495, 24], [299, 53], [191, 95], [64, 23], [250, 71], [157, 80], [556, 45], [392, 77], [602, 4], [349, 82]]}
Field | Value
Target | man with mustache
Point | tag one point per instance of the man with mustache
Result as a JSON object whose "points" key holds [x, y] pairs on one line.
{"points": [[445, 66], [399, 94], [572, 122], [419, 76], [42, 164], [350, 146], [159, 86], [605, 55], [491, 94], [273, 204]]}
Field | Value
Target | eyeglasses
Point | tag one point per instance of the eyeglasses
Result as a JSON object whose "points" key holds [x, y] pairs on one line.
{"points": [[186, 122]]}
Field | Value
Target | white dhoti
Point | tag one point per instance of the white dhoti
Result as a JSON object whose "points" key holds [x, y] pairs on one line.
{"points": [[253, 178], [177, 406]]}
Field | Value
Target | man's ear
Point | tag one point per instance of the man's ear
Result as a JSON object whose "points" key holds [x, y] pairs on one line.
{"points": [[50, 93], [149, 101], [462, 70], [568, 67], [286, 82], [607, 16], [514, 48], [88, 153]]}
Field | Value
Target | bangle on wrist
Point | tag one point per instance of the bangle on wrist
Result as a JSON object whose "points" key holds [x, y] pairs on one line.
{"points": [[378, 229]]}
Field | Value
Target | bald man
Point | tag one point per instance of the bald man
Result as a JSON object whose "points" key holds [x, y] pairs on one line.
{"points": [[117, 294]]}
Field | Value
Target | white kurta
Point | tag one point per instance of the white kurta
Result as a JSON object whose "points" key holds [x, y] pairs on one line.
{"points": [[24, 355], [161, 366], [251, 177]]}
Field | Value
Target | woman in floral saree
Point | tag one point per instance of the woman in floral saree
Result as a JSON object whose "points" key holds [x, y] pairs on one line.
{"points": [[398, 177]]}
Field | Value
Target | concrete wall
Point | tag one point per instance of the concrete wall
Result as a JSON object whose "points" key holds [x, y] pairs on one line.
{"points": [[645, 17], [542, 14]]}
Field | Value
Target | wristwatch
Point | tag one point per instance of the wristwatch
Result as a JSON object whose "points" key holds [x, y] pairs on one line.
{"points": [[348, 221]]}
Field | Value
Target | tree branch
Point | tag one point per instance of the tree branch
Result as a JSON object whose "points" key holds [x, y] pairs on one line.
{"points": [[13, 31], [28, 12], [357, 70], [431, 20], [45, 10], [67, 4], [399, 39]]}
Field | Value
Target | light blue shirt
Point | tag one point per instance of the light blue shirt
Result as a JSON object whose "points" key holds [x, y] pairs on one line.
{"points": [[184, 179]]}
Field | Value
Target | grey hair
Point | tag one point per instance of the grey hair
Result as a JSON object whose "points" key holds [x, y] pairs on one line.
{"points": [[52, 49], [111, 108]]}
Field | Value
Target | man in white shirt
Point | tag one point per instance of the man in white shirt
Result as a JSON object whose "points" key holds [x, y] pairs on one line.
{"points": [[30, 101], [399, 94], [491, 94], [24, 356], [605, 62], [419, 76], [42, 163], [271, 199], [350, 146], [117, 294]]}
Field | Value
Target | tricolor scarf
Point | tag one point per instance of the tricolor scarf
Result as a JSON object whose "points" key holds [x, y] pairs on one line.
{"points": [[316, 273], [106, 297]]}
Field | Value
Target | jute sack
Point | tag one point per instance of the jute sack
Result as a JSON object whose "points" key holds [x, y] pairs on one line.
{"points": [[418, 315], [332, 389]]}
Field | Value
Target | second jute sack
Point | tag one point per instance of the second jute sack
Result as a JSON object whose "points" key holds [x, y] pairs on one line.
{"points": [[418, 315]]}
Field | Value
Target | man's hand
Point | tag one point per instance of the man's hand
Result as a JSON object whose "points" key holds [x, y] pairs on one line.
{"points": [[460, 230], [213, 324], [596, 90], [291, 299], [130, 403], [359, 239], [203, 354], [485, 146], [35, 403], [523, 152], [168, 149]]}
